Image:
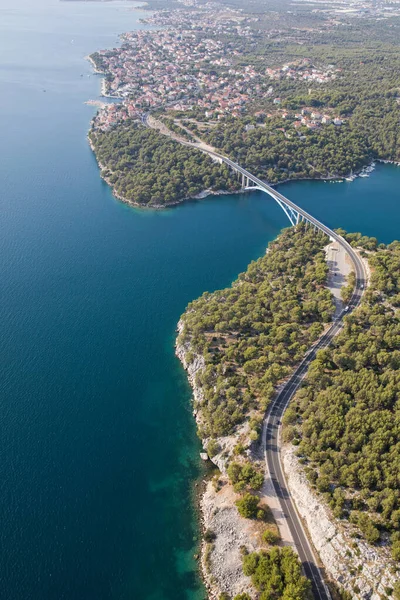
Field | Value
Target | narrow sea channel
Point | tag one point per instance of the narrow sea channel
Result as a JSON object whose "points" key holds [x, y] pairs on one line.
{"points": [[98, 447]]}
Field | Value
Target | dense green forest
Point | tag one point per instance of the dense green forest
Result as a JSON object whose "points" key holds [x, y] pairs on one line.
{"points": [[346, 417], [150, 169], [252, 333], [268, 153]]}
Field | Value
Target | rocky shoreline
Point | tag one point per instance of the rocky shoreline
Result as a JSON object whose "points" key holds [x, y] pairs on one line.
{"points": [[364, 571], [221, 559]]}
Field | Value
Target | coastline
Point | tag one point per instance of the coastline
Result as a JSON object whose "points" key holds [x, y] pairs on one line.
{"points": [[218, 508], [97, 71], [206, 499], [220, 561], [364, 171], [199, 196], [95, 68], [209, 192]]}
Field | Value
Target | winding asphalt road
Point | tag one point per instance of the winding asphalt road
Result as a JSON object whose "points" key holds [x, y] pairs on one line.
{"points": [[273, 423], [276, 473]]}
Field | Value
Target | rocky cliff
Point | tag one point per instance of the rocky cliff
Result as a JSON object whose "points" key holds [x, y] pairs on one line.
{"points": [[366, 572]]}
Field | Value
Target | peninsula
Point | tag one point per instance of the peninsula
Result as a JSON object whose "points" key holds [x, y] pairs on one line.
{"points": [[217, 92], [283, 103]]}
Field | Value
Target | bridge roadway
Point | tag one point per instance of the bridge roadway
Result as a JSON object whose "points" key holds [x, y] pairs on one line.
{"points": [[358, 265], [273, 423], [273, 418]]}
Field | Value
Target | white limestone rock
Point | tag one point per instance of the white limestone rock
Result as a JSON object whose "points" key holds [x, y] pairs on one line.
{"points": [[369, 569]]}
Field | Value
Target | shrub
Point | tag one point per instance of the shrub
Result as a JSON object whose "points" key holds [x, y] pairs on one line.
{"points": [[396, 591], [289, 433], [245, 475], [239, 449], [239, 487], [247, 506], [277, 570], [213, 448], [323, 484], [289, 417], [209, 535], [396, 551], [271, 537]]}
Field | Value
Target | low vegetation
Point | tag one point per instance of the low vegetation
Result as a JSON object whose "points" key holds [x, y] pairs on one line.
{"points": [[277, 574], [245, 476], [248, 507]]}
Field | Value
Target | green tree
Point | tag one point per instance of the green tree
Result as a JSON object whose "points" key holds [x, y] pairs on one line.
{"points": [[247, 506]]}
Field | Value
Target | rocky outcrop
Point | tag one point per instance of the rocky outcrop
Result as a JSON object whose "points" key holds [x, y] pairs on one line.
{"points": [[222, 558], [362, 570], [197, 364]]}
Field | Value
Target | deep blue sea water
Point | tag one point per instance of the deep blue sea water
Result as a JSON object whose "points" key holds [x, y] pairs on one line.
{"points": [[98, 452]]}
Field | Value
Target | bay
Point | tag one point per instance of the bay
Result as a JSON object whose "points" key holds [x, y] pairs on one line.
{"points": [[98, 451]]}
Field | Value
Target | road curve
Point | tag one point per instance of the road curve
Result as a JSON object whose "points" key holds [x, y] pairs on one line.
{"points": [[273, 423]]}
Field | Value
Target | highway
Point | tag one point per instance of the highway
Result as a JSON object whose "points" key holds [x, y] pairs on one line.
{"points": [[273, 418], [275, 471]]}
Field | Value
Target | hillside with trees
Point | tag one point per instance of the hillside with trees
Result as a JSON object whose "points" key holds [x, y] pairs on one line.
{"points": [[269, 152], [253, 333], [149, 169], [346, 417]]}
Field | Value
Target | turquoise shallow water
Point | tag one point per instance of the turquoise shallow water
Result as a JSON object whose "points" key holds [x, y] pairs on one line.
{"points": [[98, 448]]}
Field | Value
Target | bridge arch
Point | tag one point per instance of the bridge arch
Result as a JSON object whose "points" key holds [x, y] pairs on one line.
{"points": [[292, 214]]}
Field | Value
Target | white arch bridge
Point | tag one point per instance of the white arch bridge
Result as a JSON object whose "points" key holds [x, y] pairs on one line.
{"points": [[295, 214]]}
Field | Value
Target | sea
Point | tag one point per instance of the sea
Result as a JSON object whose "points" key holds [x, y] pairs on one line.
{"points": [[99, 458]]}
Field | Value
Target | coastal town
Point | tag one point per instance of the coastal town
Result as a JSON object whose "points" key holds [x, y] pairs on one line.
{"points": [[185, 67], [200, 375], [179, 70]]}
